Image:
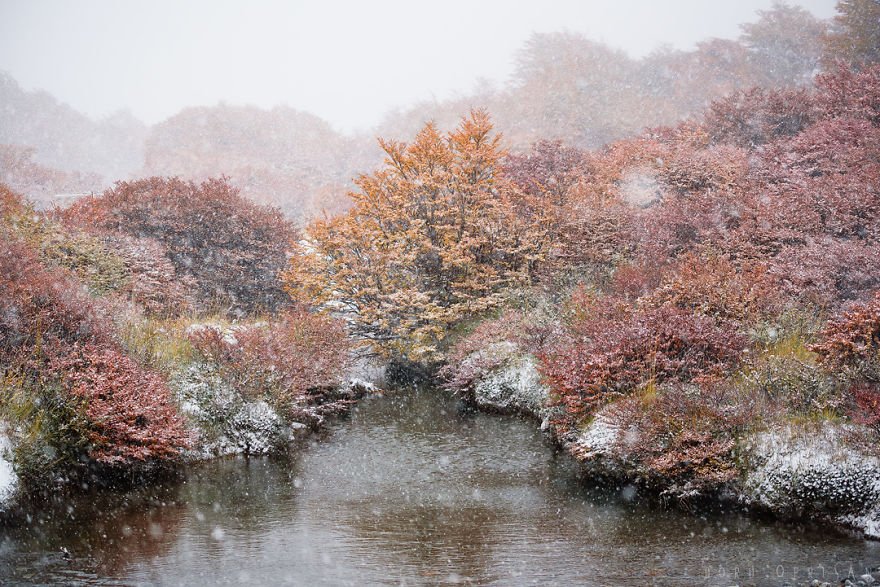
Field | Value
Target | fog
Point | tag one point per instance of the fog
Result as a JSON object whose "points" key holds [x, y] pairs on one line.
{"points": [[347, 62]]}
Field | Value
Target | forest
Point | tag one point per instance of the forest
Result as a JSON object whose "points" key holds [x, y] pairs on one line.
{"points": [[671, 263]]}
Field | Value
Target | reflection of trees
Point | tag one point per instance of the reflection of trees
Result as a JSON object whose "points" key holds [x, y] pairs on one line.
{"points": [[241, 493], [102, 531], [437, 489], [109, 532]]}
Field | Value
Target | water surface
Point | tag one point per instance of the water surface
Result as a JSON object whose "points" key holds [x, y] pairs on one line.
{"points": [[412, 489]]}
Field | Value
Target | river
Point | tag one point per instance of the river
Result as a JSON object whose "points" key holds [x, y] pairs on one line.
{"points": [[412, 489]]}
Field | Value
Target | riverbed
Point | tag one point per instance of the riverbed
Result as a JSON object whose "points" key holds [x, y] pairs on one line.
{"points": [[413, 488]]}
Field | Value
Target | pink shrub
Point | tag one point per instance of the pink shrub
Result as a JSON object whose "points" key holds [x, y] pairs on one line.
{"points": [[712, 285], [129, 410], [283, 362], [615, 353]]}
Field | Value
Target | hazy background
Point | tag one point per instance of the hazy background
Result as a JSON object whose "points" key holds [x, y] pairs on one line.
{"points": [[286, 98], [347, 62]]}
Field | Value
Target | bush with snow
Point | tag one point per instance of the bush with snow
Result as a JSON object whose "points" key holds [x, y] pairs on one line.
{"points": [[224, 421], [8, 477], [514, 385], [813, 472]]}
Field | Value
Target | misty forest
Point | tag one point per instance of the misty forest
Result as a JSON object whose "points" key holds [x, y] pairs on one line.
{"points": [[614, 320]]}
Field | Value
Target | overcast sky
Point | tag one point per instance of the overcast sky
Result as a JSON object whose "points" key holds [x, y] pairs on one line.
{"points": [[348, 62]]}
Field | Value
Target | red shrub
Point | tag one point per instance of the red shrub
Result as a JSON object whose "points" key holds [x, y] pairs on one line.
{"points": [[823, 181], [827, 272], [232, 249], [681, 436], [757, 116], [616, 353], [718, 169], [846, 92], [711, 285], [592, 233], [852, 340], [867, 405], [631, 281], [129, 410], [702, 204], [40, 307], [282, 362], [51, 331], [549, 170]]}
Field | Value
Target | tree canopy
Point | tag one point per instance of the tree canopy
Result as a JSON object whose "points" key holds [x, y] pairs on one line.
{"points": [[433, 236]]}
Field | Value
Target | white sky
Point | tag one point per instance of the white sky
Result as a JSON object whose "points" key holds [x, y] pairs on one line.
{"points": [[348, 62]]}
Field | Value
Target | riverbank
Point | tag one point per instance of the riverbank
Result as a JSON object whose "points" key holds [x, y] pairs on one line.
{"points": [[800, 471], [247, 428]]}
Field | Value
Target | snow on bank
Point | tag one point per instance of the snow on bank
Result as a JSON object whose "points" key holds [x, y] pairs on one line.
{"points": [[798, 472], [512, 385], [223, 421], [8, 478], [597, 440]]}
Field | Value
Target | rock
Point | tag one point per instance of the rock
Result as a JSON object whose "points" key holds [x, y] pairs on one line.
{"points": [[514, 386], [813, 472]]}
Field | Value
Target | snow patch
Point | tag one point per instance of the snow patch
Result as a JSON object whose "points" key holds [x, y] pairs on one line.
{"points": [[794, 471], [8, 477], [598, 439], [513, 386]]}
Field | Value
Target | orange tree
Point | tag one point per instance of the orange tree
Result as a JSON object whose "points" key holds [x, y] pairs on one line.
{"points": [[434, 236]]}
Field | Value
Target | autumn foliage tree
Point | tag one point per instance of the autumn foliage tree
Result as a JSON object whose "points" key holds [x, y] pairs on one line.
{"points": [[432, 238], [855, 35]]}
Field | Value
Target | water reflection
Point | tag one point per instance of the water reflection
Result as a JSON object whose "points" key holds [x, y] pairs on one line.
{"points": [[412, 489]]}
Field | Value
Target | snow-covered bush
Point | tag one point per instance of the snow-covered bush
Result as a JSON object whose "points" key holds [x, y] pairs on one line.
{"points": [[224, 421], [280, 362], [813, 472], [249, 384], [514, 385]]}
